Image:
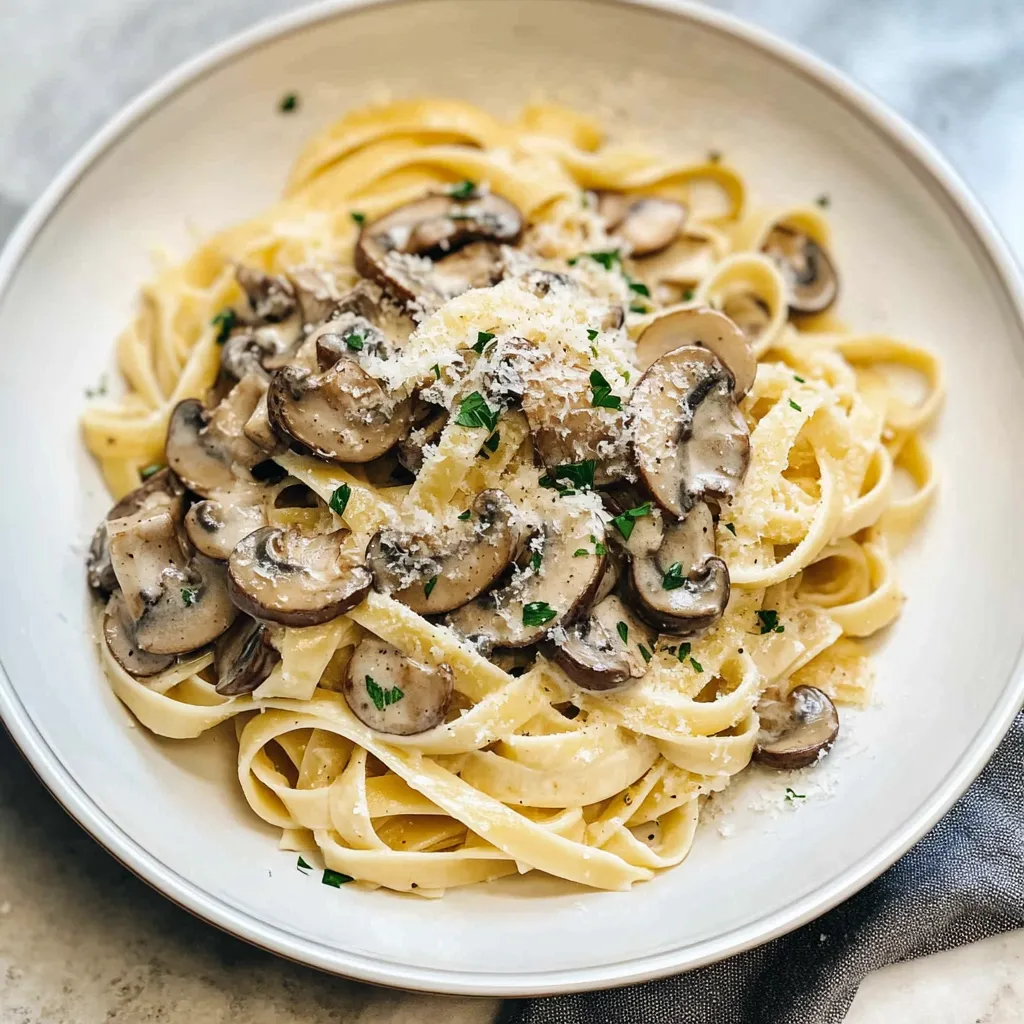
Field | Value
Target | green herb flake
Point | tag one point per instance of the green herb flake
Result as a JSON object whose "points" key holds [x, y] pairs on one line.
{"points": [[768, 620], [697, 666], [688, 295], [437, 371], [536, 613], [731, 528], [339, 499], [580, 553], [600, 549], [359, 218], [592, 334], [607, 259], [188, 596], [579, 476], [673, 577], [482, 337], [824, 201], [593, 351], [289, 102], [792, 795], [625, 376], [793, 405], [646, 654], [536, 560], [335, 879], [684, 652], [799, 380], [100, 389], [148, 471], [428, 588], [224, 321], [602, 397], [463, 190], [475, 412], [572, 261], [623, 630], [491, 444], [639, 287], [303, 866], [467, 515], [625, 523], [381, 696], [354, 342], [636, 307]]}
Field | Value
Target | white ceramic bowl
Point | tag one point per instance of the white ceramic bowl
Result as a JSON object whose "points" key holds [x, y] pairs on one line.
{"points": [[205, 147]]}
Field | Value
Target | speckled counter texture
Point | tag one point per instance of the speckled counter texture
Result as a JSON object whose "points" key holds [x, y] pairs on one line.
{"points": [[81, 940]]}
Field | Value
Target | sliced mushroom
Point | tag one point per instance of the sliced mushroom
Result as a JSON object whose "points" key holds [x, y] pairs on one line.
{"points": [[259, 431], [349, 336], [250, 350], [410, 449], [546, 593], [566, 427], [644, 522], [646, 224], [243, 657], [690, 441], [271, 297], [391, 693], [671, 274], [810, 275], [704, 328], [162, 490], [392, 249], [216, 526], [443, 570], [296, 579], [316, 293], [797, 731], [595, 655], [341, 415], [119, 635], [682, 587]]}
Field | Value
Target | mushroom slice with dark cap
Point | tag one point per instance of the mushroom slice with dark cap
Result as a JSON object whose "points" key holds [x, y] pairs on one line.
{"points": [[647, 224], [297, 579], [119, 636], [682, 587], [690, 440], [435, 227], [216, 525], [410, 449], [605, 650], [271, 297], [341, 415], [748, 312], [811, 278], [391, 693], [443, 570], [796, 731], [703, 328], [250, 350], [316, 294], [162, 490], [550, 590], [243, 657], [349, 336]]}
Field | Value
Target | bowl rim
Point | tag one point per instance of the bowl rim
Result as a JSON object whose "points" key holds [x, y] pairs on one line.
{"points": [[932, 170]]}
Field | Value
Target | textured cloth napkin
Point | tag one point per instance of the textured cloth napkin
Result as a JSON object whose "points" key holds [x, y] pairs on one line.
{"points": [[962, 882]]}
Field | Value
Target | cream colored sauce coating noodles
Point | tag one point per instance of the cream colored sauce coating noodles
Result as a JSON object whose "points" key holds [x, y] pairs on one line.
{"points": [[525, 770]]}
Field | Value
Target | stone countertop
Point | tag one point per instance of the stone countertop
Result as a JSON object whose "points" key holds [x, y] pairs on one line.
{"points": [[81, 939]]}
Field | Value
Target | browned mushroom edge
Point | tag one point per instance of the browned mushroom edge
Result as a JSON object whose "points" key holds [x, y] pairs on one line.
{"points": [[797, 731]]}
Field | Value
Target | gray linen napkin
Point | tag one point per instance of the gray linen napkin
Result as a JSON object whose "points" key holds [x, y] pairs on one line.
{"points": [[962, 882]]}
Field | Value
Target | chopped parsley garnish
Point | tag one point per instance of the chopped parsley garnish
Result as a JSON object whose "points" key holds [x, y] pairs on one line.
{"points": [[625, 376], [491, 444], [150, 470], [536, 560], [600, 549], [623, 630], [381, 696], [639, 287], [482, 337], [731, 528], [592, 334], [339, 499], [697, 666], [714, 157], [607, 259], [684, 652], [437, 371], [475, 412], [602, 397], [289, 102], [224, 321], [100, 389], [580, 553], [302, 865], [792, 795], [578, 476], [335, 879], [359, 218], [463, 190], [824, 201], [644, 652], [573, 260], [625, 523], [354, 342], [793, 405], [636, 307], [799, 380], [768, 620], [688, 295], [593, 351], [188, 596], [468, 514], [536, 613], [428, 588], [673, 577]]}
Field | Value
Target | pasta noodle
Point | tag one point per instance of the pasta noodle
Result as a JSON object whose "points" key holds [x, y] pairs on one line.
{"points": [[529, 771]]}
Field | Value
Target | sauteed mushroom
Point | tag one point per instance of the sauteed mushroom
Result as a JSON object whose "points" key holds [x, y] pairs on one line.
{"points": [[797, 731], [812, 280], [119, 636], [271, 298], [243, 657], [646, 224]]}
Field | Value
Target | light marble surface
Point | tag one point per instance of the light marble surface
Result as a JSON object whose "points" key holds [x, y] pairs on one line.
{"points": [[81, 940]]}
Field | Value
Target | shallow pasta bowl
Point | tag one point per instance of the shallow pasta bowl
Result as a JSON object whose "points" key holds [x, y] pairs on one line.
{"points": [[206, 147]]}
